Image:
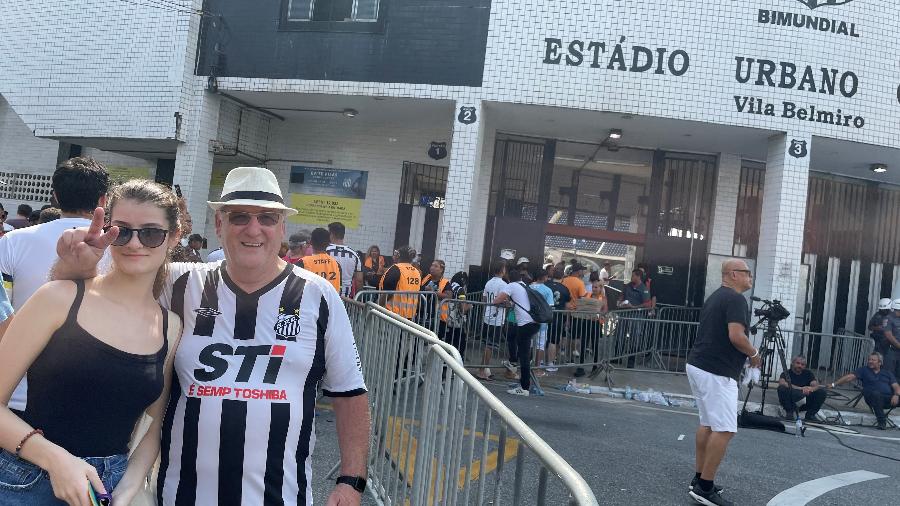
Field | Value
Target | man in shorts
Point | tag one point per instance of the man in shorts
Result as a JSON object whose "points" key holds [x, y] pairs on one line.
{"points": [[713, 368]]}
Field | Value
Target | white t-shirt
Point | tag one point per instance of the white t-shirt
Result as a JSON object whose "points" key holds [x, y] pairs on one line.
{"points": [[7, 227], [521, 304], [603, 274], [216, 255], [240, 426], [26, 256], [494, 315]]}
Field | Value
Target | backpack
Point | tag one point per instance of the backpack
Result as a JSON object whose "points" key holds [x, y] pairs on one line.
{"points": [[540, 312]]}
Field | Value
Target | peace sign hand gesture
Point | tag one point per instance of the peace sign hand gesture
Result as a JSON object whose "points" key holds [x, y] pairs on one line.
{"points": [[80, 249]]}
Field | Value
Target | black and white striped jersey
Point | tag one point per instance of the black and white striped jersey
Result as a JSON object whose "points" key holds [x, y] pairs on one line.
{"points": [[350, 265], [239, 427]]}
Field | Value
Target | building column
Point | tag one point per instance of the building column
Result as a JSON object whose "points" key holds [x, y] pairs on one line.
{"points": [[782, 223], [725, 208], [193, 159], [721, 238], [465, 157]]}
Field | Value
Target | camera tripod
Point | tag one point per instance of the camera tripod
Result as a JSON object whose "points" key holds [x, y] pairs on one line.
{"points": [[771, 348]]}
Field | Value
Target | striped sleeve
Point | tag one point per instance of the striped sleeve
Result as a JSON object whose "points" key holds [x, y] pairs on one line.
{"points": [[343, 372]]}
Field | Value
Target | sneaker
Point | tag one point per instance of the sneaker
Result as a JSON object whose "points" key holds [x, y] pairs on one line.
{"points": [[789, 415], [694, 484], [576, 354], [509, 366], [711, 498], [881, 425], [551, 367], [518, 391]]}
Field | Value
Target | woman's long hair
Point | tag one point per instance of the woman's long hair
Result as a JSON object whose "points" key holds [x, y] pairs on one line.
{"points": [[146, 191]]}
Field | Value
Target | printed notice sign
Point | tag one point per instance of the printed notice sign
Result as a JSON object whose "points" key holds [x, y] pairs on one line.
{"points": [[323, 195]]}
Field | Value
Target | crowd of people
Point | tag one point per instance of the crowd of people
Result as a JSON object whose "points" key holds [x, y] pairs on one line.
{"points": [[211, 353]]}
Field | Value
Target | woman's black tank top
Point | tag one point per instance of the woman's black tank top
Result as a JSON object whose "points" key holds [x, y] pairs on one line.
{"points": [[87, 395]]}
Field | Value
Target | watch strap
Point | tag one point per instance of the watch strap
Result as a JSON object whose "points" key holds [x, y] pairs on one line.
{"points": [[358, 483]]}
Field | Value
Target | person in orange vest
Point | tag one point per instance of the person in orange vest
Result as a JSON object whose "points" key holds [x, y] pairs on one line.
{"points": [[373, 266], [402, 276], [320, 262], [435, 282]]}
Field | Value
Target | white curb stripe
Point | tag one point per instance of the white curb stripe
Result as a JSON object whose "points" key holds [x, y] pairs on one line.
{"points": [[807, 491]]}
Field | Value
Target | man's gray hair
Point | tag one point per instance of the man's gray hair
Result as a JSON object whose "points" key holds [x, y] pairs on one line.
{"points": [[800, 357], [879, 355]]}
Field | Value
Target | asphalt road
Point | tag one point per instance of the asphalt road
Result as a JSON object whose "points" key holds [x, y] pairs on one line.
{"points": [[629, 453]]}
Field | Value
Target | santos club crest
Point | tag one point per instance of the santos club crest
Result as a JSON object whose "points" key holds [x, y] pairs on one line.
{"points": [[812, 4]]}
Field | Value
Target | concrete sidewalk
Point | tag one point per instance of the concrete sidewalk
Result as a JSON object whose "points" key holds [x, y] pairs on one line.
{"points": [[674, 390]]}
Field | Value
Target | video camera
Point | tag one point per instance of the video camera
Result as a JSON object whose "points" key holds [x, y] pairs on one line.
{"points": [[772, 309]]}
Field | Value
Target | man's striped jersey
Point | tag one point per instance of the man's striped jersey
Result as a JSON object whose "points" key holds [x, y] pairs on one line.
{"points": [[239, 427], [350, 265]]}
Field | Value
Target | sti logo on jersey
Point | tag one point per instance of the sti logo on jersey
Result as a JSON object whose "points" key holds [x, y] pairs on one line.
{"points": [[212, 357], [812, 4]]}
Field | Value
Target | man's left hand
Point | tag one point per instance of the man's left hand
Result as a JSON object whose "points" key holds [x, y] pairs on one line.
{"points": [[806, 390], [894, 399], [344, 495]]}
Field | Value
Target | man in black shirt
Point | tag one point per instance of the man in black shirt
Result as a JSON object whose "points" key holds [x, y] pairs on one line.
{"points": [[561, 299], [714, 365], [802, 384]]}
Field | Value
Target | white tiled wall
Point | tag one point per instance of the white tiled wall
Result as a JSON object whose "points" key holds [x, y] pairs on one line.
{"points": [[97, 68], [725, 208], [782, 223], [713, 33]]}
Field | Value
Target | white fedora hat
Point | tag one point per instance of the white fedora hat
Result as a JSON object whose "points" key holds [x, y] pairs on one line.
{"points": [[252, 186]]}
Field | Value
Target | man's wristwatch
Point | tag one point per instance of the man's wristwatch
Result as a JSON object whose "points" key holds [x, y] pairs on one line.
{"points": [[358, 484]]}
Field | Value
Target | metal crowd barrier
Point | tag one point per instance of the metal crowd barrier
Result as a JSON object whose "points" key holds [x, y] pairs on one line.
{"points": [[653, 340], [417, 432]]}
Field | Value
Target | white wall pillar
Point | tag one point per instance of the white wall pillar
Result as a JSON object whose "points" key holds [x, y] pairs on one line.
{"points": [[725, 209], [465, 156], [782, 223], [193, 159]]}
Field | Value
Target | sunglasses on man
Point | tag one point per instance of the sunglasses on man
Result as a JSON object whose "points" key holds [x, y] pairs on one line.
{"points": [[241, 218]]}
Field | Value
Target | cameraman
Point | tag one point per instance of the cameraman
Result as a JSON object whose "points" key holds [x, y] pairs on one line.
{"points": [[802, 384], [713, 368]]}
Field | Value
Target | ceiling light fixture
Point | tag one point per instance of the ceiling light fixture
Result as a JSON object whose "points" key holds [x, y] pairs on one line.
{"points": [[615, 134], [878, 168]]}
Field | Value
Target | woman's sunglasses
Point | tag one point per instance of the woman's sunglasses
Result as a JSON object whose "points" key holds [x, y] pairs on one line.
{"points": [[149, 237], [240, 218]]}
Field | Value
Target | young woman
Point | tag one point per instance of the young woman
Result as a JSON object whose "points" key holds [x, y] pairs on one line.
{"points": [[98, 354], [373, 266]]}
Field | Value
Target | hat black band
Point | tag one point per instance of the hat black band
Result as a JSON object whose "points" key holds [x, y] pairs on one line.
{"points": [[249, 195]]}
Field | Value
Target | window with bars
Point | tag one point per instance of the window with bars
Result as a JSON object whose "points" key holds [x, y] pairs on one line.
{"points": [[423, 185], [749, 210], [331, 11]]}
